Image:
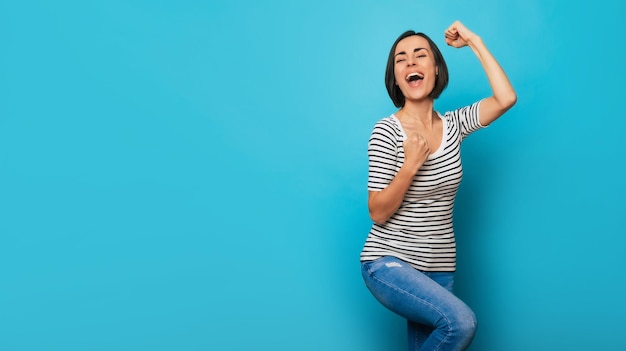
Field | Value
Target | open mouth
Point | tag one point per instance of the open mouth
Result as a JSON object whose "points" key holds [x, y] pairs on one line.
{"points": [[414, 77]]}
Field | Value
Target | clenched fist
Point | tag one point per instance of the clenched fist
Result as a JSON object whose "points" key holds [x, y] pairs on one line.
{"points": [[416, 151], [457, 35]]}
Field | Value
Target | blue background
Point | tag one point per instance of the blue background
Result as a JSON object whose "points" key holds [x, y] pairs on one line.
{"points": [[191, 175]]}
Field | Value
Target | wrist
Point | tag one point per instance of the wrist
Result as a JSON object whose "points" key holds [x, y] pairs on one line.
{"points": [[409, 169], [474, 40]]}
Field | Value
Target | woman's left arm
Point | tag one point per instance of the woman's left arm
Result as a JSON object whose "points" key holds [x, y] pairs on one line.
{"points": [[504, 97]]}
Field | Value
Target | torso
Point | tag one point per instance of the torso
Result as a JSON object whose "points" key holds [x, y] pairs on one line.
{"points": [[421, 231]]}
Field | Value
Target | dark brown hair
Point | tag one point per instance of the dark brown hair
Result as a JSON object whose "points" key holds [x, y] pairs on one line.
{"points": [[390, 79]]}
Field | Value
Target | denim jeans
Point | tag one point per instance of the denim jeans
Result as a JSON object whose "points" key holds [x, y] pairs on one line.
{"points": [[436, 319]]}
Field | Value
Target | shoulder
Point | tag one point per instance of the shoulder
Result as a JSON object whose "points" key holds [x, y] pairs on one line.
{"points": [[387, 125], [387, 131], [388, 122]]}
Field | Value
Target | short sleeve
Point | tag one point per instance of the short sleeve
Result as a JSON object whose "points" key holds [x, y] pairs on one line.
{"points": [[469, 119], [382, 154]]}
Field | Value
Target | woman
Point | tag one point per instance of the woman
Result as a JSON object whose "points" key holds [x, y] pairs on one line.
{"points": [[408, 260]]}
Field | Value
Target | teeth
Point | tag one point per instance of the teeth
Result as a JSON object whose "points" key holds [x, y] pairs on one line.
{"points": [[413, 75]]}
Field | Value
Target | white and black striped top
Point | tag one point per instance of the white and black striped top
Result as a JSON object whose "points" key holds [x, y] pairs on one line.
{"points": [[420, 232]]}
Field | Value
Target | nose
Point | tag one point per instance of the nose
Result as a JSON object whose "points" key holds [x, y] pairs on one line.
{"points": [[411, 61]]}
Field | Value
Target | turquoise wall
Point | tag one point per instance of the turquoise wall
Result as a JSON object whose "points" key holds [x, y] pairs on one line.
{"points": [[191, 175]]}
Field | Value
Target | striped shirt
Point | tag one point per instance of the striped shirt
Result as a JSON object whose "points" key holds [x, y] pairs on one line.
{"points": [[420, 232]]}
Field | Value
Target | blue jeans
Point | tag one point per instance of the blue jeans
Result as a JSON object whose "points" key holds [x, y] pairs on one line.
{"points": [[436, 319]]}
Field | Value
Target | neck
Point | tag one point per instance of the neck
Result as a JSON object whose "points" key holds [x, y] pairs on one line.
{"points": [[419, 112]]}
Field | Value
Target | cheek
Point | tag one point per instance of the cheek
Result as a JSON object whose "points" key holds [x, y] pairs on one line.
{"points": [[398, 77]]}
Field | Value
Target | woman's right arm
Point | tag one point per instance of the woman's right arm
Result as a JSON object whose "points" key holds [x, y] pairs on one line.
{"points": [[383, 204]]}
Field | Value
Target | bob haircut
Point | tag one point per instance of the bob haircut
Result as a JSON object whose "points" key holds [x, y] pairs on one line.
{"points": [[390, 79]]}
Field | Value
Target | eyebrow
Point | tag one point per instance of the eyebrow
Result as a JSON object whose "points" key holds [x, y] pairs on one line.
{"points": [[414, 50]]}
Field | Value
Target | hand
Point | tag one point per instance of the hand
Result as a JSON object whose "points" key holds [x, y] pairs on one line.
{"points": [[416, 151], [457, 35]]}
